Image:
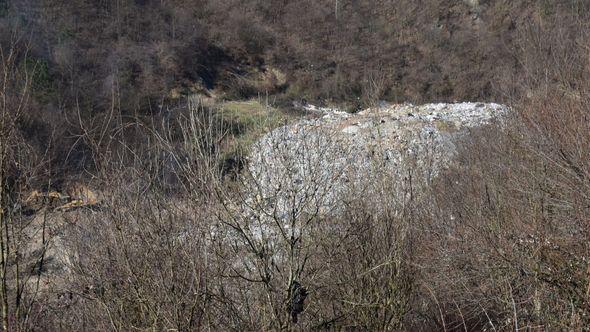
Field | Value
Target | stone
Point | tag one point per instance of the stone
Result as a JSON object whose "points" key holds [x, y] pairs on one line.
{"points": [[316, 165]]}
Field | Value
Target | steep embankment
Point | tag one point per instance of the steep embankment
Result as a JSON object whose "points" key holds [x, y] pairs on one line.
{"points": [[316, 165]]}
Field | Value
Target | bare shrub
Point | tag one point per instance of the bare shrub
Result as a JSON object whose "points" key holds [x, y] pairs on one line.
{"points": [[23, 240], [142, 260], [505, 229], [141, 263], [374, 87], [291, 221], [507, 233], [500, 240]]}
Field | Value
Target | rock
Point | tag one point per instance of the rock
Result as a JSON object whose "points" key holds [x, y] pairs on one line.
{"points": [[315, 168], [351, 129], [77, 195], [38, 199], [317, 165]]}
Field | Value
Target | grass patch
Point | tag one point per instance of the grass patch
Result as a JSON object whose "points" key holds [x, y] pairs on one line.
{"points": [[247, 121], [446, 126]]}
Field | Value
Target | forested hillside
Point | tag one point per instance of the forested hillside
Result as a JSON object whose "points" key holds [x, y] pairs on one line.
{"points": [[180, 165], [140, 57]]}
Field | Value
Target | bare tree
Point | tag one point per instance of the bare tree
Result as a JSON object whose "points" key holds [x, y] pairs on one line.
{"points": [[23, 242]]}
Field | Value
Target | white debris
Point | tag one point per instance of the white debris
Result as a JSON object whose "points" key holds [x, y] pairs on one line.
{"points": [[316, 166]]}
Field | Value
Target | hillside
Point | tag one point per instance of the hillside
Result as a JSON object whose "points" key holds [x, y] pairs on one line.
{"points": [[143, 57], [294, 165]]}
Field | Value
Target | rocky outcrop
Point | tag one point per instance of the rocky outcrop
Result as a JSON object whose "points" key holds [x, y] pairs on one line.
{"points": [[316, 165]]}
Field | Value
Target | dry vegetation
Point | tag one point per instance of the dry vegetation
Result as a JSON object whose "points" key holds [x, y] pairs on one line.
{"points": [[500, 241]]}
